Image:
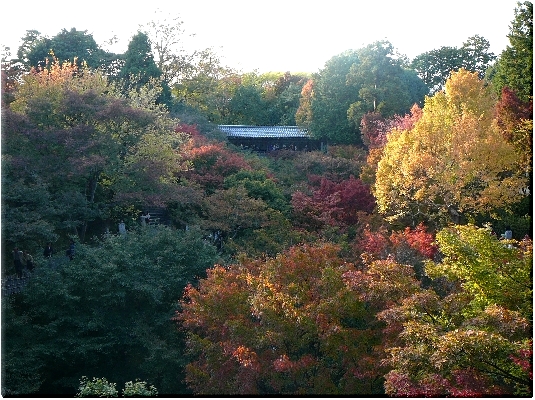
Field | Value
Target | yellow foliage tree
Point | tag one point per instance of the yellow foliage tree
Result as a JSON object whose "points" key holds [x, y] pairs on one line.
{"points": [[453, 161], [51, 84]]}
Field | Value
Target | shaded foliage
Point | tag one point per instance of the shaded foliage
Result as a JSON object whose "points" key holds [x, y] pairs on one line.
{"points": [[86, 147], [332, 203], [107, 312]]}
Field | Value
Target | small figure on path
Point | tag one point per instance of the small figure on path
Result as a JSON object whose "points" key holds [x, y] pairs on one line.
{"points": [[70, 251], [508, 235], [29, 260], [145, 219], [122, 228], [48, 251]]}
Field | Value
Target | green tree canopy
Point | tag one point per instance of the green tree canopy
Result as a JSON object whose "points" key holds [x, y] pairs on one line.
{"points": [[475, 258], [259, 186], [37, 51], [208, 86], [435, 66], [284, 97], [476, 56], [331, 99], [247, 107], [383, 85], [69, 134], [105, 313], [354, 83]]}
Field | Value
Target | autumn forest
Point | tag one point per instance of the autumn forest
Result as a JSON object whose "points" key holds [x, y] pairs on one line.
{"points": [[396, 260]]}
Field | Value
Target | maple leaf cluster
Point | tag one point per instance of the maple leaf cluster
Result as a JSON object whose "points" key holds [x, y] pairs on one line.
{"points": [[333, 203], [211, 164], [289, 325]]}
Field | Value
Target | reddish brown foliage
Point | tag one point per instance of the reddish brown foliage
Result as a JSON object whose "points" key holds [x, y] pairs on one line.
{"points": [[375, 128], [524, 359], [510, 110], [192, 130], [335, 204], [464, 383], [405, 246], [212, 163], [288, 325]]}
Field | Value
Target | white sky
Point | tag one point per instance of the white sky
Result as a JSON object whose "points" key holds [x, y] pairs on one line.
{"points": [[276, 35]]}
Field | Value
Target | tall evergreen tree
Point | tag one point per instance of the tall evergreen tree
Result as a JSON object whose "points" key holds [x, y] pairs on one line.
{"points": [[515, 65], [140, 68]]}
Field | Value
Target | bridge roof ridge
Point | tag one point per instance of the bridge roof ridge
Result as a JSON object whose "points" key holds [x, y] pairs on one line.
{"points": [[264, 131]]}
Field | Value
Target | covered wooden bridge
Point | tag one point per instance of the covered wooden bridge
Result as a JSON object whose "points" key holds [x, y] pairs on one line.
{"points": [[270, 138]]}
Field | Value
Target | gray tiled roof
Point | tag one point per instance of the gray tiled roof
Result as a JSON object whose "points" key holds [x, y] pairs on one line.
{"points": [[252, 131]]}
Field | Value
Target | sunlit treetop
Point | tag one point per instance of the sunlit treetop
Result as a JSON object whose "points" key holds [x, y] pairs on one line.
{"points": [[453, 161]]}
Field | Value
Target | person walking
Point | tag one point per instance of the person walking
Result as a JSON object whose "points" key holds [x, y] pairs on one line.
{"points": [[70, 251], [29, 261], [122, 228], [17, 260], [145, 219], [508, 235], [48, 251]]}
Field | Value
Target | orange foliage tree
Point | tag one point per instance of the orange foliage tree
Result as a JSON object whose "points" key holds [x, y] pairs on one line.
{"points": [[374, 129], [288, 325]]}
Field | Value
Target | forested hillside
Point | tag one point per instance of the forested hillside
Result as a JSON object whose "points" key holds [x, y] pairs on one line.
{"points": [[395, 261]]}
